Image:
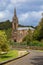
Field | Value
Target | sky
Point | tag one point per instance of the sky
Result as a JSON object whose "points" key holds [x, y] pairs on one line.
{"points": [[29, 12]]}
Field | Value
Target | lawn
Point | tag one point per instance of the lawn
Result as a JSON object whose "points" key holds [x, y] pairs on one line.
{"points": [[11, 54]]}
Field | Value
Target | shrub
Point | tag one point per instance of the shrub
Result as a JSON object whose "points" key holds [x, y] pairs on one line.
{"points": [[37, 43]]}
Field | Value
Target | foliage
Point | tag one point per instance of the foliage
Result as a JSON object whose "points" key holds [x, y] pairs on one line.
{"points": [[38, 33], [3, 41], [8, 33], [12, 43], [5, 25], [28, 37], [34, 43], [37, 43]]}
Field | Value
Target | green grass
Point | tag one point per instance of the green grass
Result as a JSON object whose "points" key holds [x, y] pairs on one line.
{"points": [[11, 54]]}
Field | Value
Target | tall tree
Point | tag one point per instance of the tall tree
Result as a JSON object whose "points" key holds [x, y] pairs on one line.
{"points": [[38, 33], [4, 46], [28, 37]]}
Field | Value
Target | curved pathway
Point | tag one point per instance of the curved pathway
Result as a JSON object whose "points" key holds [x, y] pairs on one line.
{"points": [[34, 58]]}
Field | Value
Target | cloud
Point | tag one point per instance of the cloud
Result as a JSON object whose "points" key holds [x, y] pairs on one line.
{"points": [[23, 17], [4, 15], [41, 7], [23, 1], [18, 1], [30, 18], [1, 15], [28, 11]]}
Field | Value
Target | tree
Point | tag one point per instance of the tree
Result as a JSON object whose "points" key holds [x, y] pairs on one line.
{"points": [[38, 33], [28, 37], [5, 25], [8, 33], [3, 41]]}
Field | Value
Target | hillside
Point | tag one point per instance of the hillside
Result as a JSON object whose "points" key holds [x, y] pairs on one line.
{"points": [[5, 25]]}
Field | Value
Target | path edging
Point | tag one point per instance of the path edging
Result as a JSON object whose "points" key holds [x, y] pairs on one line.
{"points": [[13, 59]]}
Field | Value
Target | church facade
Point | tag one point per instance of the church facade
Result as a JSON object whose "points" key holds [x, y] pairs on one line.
{"points": [[18, 33]]}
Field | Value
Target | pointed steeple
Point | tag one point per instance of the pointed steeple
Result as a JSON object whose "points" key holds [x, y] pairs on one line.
{"points": [[15, 21], [15, 12]]}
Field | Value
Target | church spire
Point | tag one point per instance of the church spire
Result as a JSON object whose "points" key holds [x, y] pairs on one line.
{"points": [[14, 26], [15, 21], [15, 12]]}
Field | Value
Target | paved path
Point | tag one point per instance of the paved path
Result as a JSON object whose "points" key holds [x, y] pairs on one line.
{"points": [[34, 58]]}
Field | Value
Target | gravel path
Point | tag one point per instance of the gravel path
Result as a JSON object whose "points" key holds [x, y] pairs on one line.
{"points": [[34, 58]]}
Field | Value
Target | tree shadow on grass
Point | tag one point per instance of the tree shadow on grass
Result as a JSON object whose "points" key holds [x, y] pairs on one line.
{"points": [[6, 56], [37, 60]]}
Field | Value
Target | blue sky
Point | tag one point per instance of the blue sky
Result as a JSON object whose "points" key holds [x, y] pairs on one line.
{"points": [[28, 11]]}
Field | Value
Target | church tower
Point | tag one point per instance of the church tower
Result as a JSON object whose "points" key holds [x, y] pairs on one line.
{"points": [[14, 26]]}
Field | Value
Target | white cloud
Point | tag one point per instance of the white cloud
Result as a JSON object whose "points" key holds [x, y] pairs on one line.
{"points": [[18, 1], [21, 1], [2, 15], [35, 14], [23, 16], [30, 17], [32, 14]]}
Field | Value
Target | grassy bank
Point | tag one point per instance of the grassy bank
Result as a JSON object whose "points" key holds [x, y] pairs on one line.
{"points": [[11, 54]]}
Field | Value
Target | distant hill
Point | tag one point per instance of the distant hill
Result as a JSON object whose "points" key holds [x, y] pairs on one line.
{"points": [[25, 26], [7, 24]]}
